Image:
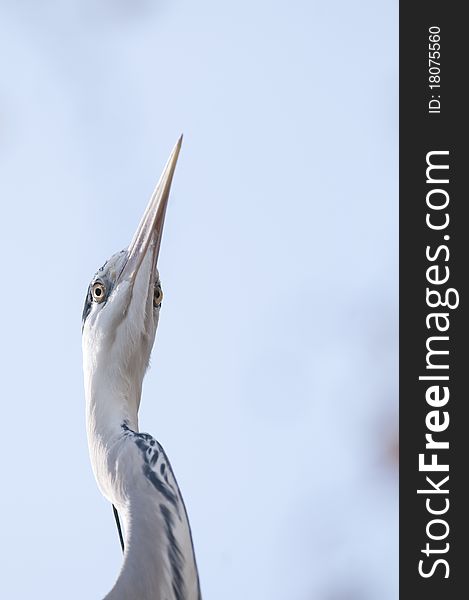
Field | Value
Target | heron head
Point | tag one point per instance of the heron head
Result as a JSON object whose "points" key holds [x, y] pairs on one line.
{"points": [[124, 297]]}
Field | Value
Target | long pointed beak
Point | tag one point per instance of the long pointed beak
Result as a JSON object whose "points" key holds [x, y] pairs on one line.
{"points": [[151, 225]]}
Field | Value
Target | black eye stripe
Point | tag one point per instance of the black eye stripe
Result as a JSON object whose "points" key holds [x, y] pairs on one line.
{"points": [[86, 308], [101, 276]]}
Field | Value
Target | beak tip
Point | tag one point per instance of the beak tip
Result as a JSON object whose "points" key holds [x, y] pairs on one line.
{"points": [[175, 153]]}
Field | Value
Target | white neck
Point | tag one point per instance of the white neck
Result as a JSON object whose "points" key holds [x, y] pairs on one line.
{"points": [[146, 570], [157, 535], [110, 401]]}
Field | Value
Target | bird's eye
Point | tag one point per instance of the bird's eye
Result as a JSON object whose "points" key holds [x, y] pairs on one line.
{"points": [[157, 296], [98, 292]]}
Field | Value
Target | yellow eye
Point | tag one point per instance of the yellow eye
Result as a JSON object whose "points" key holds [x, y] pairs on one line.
{"points": [[98, 292], [157, 296]]}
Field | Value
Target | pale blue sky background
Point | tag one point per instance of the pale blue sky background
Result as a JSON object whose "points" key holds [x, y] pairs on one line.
{"points": [[274, 378]]}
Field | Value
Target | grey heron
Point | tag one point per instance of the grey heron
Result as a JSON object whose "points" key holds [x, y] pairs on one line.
{"points": [[132, 471]]}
